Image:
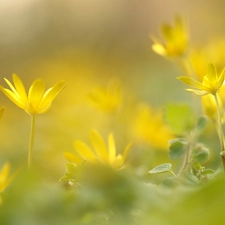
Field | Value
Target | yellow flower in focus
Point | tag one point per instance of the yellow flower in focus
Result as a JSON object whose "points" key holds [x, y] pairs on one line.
{"points": [[101, 152], [107, 98], [211, 84], [37, 100], [176, 39], [149, 127]]}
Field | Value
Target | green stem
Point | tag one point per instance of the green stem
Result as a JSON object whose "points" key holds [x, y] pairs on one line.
{"points": [[220, 130], [31, 141]]}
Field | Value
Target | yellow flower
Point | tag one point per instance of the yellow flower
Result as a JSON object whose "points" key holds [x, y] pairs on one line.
{"points": [[175, 39], [149, 127], [211, 84], [100, 154], [5, 179], [2, 109], [37, 101], [107, 98]]}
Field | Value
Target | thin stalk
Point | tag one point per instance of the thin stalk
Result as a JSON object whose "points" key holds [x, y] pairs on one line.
{"points": [[220, 130], [187, 155], [30, 153]]}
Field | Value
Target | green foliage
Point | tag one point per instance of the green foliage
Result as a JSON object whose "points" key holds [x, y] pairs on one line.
{"points": [[200, 154], [177, 148], [163, 168]]}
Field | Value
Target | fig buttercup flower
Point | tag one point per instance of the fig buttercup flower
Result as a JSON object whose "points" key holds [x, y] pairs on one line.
{"points": [[176, 39], [37, 100], [108, 98], [211, 84], [101, 153], [149, 127]]}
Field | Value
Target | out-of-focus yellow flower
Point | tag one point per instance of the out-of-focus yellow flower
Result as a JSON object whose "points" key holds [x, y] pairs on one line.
{"points": [[37, 101], [176, 39], [212, 52], [211, 84], [101, 153], [5, 179], [107, 98], [209, 106], [149, 127], [2, 109]]}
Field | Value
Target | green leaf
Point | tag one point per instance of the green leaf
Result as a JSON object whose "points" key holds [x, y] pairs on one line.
{"points": [[200, 154], [166, 167], [177, 148], [207, 171], [201, 124], [181, 118]]}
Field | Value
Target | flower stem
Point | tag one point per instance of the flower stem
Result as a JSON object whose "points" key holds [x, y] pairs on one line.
{"points": [[220, 130], [31, 141]]}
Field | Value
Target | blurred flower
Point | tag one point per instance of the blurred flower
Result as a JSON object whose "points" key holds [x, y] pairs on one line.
{"points": [[5, 179], [212, 52], [175, 39], [150, 127], [212, 82], [100, 154], [2, 109], [209, 106], [37, 101], [107, 98]]}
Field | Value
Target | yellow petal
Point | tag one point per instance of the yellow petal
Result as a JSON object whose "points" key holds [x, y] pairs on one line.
{"points": [[2, 109], [112, 148], [13, 97], [83, 150], [194, 83], [118, 162], [126, 151], [198, 92], [99, 145], [159, 49], [73, 158], [221, 79], [20, 88], [49, 96], [212, 75], [4, 175], [35, 94]]}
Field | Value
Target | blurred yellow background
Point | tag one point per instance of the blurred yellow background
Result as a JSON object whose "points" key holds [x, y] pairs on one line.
{"points": [[87, 43]]}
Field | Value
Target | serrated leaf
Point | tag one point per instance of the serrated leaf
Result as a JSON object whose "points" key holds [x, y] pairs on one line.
{"points": [[166, 167], [200, 154], [177, 148], [181, 118]]}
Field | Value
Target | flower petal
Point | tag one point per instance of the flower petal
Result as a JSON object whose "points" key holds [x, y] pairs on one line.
{"points": [[198, 92], [194, 83], [112, 148], [126, 151], [159, 49], [49, 96], [20, 88], [36, 92], [83, 150], [73, 158], [13, 97], [99, 145], [212, 75]]}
